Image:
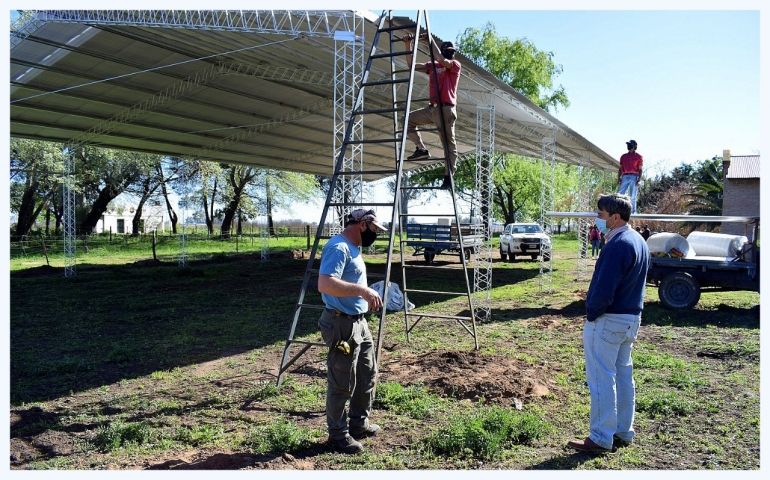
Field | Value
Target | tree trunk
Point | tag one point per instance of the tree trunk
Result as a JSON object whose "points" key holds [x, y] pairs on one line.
{"points": [[227, 219], [208, 210], [27, 215], [148, 189], [106, 195], [47, 220], [171, 213]]}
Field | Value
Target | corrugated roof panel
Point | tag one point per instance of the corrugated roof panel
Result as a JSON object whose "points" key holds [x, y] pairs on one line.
{"points": [[746, 166]]}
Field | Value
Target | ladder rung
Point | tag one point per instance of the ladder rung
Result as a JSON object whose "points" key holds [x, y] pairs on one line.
{"points": [[430, 241], [425, 188], [385, 82], [426, 215], [376, 140], [303, 342], [379, 110], [437, 267], [407, 26], [394, 54], [438, 315], [368, 172], [433, 291], [359, 204], [310, 305]]}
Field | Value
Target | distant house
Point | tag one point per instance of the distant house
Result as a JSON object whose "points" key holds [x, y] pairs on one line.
{"points": [[741, 190], [121, 222]]}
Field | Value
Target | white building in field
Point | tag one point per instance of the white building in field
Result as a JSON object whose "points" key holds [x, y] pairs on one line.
{"points": [[153, 215]]}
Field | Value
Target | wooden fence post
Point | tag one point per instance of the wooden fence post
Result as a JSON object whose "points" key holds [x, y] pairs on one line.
{"points": [[154, 241], [45, 252], [307, 234]]}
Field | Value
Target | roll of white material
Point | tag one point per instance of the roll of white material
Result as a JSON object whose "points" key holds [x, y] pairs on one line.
{"points": [[716, 244], [671, 244]]}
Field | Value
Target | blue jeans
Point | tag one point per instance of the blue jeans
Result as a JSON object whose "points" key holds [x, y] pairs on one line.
{"points": [[628, 181], [595, 247], [607, 344], [349, 377]]}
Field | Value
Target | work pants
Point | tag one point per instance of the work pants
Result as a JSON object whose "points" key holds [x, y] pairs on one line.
{"points": [[349, 377]]}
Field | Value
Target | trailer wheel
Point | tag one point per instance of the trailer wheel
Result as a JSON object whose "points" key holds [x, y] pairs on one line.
{"points": [[503, 255], [467, 252], [429, 257], [679, 291]]}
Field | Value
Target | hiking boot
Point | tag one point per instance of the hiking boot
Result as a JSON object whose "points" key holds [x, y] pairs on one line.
{"points": [[447, 183], [346, 445], [419, 153], [370, 431]]}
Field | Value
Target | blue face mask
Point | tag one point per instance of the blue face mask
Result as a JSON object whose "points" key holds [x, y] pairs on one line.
{"points": [[602, 226]]}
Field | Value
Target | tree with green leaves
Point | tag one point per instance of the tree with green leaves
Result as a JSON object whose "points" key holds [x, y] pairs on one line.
{"points": [[518, 63], [103, 175], [706, 198], [36, 176]]}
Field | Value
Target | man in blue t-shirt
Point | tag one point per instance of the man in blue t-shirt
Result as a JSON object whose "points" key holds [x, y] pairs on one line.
{"points": [[351, 366], [613, 315]]}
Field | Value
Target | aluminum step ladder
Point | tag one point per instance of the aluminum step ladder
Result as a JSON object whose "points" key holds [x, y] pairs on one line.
{"points": [[390, 34]]}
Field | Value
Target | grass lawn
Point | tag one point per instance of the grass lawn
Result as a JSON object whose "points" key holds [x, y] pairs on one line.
{"points": [[142, 364]]}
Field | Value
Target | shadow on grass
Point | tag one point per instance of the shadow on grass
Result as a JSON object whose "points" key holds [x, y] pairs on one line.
{"points": [[121, 322], [723, 316]]}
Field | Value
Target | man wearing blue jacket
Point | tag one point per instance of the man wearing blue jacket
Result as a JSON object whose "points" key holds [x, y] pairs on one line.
{"points": [[613, 314]]}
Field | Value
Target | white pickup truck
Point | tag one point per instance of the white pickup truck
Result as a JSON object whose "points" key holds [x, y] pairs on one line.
{"points": [[523, 239]]}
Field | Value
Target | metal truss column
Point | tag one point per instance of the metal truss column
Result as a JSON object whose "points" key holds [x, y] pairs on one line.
{"points": [[482, 199], [264, 239], [182, 253], [348, 67], [547, 205], [68, 202], [583, 224]]}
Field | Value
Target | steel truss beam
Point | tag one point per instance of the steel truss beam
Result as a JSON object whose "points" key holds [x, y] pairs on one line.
{"points": [[315, 23]]}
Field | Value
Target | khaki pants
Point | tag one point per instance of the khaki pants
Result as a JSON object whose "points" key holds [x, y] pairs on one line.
{"points": [[432, 115]]}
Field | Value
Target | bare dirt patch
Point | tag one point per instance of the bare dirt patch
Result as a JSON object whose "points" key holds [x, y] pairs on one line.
{"points": [[472, 376]]}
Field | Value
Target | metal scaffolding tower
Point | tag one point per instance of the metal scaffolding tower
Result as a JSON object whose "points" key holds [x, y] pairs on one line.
{"points": [[348, 67], [68, 201], [482, 200], [585, 184], [548, 157]]}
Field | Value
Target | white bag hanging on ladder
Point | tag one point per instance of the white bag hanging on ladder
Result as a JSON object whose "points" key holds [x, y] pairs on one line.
{"points": [[395, 297]]}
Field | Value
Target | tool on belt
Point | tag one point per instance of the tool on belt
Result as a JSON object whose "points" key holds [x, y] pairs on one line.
{"points": [[343, 347]]}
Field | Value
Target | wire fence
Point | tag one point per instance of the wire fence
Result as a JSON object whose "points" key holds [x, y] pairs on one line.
{"points": [[50, 247]]}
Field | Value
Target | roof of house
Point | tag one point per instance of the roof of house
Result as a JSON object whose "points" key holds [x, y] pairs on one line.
{"points": [[745, 166], [244, 87]]}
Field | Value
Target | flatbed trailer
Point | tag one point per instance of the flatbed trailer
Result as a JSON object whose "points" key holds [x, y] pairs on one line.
{"points": [[681, 280], [430, 240]]}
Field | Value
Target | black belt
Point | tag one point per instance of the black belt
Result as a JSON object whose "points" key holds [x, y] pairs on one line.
{"points": [[337, 313], [630, 173], [443, 105]]}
